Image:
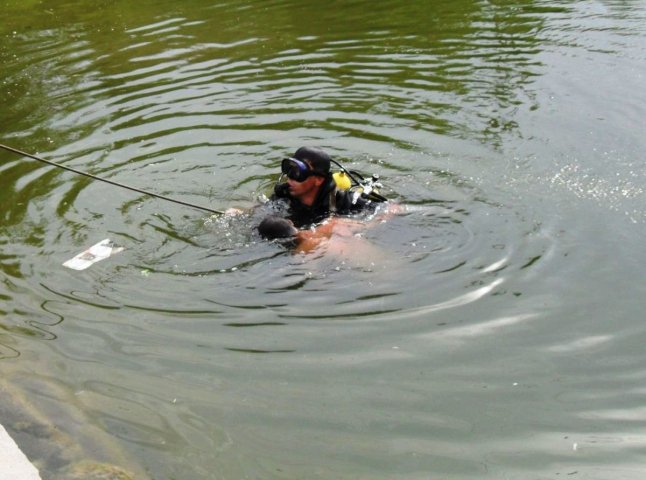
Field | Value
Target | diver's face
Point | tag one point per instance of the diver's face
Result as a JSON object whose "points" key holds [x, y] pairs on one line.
{"points": [[307, 187]]}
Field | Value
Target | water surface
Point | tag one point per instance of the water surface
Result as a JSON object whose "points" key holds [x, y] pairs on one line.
{"points": [[494, 329]]}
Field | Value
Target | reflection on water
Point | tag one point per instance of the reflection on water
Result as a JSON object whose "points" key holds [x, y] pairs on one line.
{"points": [[487, 329]]}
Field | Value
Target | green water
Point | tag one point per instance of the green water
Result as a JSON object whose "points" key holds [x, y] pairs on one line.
{"points": [[493, 330]]}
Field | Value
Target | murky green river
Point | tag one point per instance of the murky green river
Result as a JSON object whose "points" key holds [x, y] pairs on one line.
{"points": [[495, 329]]}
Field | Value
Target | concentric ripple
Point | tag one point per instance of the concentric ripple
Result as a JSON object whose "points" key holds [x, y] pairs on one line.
{"points": [[481, 324]]}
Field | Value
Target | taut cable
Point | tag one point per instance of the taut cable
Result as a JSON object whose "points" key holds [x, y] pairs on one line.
{"points": [[111, 182]]}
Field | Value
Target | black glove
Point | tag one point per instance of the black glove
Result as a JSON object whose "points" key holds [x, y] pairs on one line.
{"points": [[281, 190]]}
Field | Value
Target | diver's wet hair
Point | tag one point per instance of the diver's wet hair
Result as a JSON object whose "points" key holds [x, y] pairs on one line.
{"points": [[273, 227]]}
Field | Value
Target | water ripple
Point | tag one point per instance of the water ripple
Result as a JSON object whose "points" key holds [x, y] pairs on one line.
{"points": [[460, 326]]}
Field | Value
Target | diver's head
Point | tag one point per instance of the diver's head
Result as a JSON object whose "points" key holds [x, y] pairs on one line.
{"points": [[318, 159], [307, 162], [273, 227], [307, 171]]}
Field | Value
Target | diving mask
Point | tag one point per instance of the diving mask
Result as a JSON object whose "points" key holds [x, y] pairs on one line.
{"points": [[297, 170]]}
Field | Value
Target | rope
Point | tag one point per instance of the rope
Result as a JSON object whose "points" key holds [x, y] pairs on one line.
{"points": [[111, 182]]}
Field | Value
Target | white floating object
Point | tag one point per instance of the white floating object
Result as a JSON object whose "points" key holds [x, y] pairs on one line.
{"points": [[96, 253]]}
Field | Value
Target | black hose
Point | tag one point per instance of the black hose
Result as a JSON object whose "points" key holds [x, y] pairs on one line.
{"points": [[111, 182], [350, 174]]}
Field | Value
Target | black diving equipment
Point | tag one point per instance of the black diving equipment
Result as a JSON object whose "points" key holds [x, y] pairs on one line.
{"points": [[368, 188], [352, 180]]}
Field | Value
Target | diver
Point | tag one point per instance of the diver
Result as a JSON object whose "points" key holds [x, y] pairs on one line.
{"points": [[317, 207], [314, 204], [313, 192]]}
